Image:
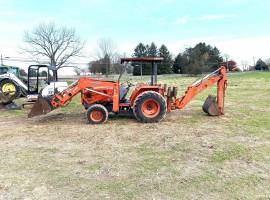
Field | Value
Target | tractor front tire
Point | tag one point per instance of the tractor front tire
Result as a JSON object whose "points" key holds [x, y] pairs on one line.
{"points": [[9, 91], [150, 107], [97, 114]]}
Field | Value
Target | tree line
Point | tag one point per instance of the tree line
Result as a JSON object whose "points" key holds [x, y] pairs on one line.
{"points": [[199, 59], [194, 60]]}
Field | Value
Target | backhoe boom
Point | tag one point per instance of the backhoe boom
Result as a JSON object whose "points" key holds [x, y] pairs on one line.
{"points": [[219, 77]]}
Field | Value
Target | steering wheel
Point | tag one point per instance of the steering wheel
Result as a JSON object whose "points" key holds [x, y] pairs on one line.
{"points": [[128, 82]]}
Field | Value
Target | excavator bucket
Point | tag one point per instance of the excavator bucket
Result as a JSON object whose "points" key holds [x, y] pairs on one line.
{"points": [[210, 106], [41, 107]]}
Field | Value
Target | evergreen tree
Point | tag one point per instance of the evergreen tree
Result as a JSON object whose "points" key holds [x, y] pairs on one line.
{"points": [[147, 50], [202, 58], [140, 51], [152, 50], [166, 66], [261, 65], [180, 64]]}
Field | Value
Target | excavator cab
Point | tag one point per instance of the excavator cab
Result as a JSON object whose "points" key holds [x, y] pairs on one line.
{"points": [[42, 84], [38, 77]]}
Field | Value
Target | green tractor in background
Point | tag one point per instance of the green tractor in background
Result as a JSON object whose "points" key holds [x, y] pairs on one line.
{"points": [[10, 69], [11, 84]]}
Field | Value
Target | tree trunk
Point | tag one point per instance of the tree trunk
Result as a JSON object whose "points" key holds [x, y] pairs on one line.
{"points": [[55, 76], [107, 69], [54, 70]]}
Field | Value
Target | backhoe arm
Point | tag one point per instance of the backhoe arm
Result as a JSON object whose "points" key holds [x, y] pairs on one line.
{"points": [[219, 77]]}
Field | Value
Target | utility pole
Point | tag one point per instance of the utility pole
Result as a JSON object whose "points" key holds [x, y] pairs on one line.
{"points": [[254, 62], [2, 60], [227, 61]]}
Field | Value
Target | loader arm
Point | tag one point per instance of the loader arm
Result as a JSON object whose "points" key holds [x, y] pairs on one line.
{"points": [[219, 77], [98, 90], [15, 79]]}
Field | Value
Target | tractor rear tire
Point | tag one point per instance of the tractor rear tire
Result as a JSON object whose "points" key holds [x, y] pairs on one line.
{"points": [[97, 114], [9, 91], [150, 107]]}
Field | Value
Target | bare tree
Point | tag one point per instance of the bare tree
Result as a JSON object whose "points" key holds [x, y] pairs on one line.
{"points": [[77, 71], [245, 65], [227, 57], [84, 71], [267, 61], [106, 51], [54, 44]]}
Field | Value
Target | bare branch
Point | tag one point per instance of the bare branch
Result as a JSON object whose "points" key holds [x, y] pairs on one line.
{"points": [[57, 44], [106, 52]]}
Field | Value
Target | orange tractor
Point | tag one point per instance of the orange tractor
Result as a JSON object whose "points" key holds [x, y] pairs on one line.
{"points": [[148, 103]]}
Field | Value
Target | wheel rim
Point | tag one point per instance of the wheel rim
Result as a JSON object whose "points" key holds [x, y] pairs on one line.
{"points": [[96, 115], [150, 108], [9, 88]]}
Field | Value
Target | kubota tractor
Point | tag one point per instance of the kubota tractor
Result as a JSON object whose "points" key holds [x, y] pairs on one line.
{"points": [[148, 102]]}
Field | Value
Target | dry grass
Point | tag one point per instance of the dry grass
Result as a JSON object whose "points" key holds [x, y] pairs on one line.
{"points": [[187, 156]]}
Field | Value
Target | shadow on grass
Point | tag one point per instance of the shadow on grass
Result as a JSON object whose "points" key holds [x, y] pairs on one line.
{"points": [[60, 117], [79, 117]]}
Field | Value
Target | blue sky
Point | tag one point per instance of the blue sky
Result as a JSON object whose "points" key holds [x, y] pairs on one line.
{"points": [[239, 28]]}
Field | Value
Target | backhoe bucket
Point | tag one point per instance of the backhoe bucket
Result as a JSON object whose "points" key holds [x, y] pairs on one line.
{"points": [[41, 107], [210, 106]]}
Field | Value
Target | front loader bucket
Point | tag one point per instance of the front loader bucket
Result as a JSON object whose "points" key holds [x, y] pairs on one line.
{"points": [[210, 106], [41, 107]]}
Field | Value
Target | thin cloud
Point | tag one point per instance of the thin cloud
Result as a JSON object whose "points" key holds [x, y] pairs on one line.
{"points": [[182, 20], [214, 17], [234, 1], [7, 13]]}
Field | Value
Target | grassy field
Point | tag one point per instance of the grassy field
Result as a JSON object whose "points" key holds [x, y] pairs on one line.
{"points": [[187, 156]]}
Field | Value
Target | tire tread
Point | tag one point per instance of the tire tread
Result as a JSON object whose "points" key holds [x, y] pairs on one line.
{"points": [[99, 107], [139, 100]]}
